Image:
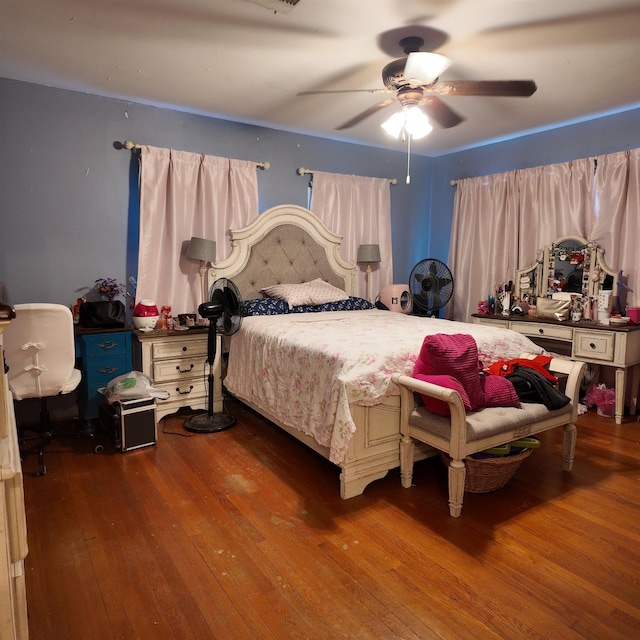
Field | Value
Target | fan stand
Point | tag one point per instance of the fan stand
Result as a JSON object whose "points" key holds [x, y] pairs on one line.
{"points": [[211, 421]]}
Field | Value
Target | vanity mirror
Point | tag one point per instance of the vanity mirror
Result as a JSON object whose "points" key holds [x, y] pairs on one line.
{"points": [[572, 264]]}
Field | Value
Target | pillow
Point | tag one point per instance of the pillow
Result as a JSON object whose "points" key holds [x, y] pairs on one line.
{"points": [[455, 355], [264, 307], [497, 393], [315, 292], [440, 407], [352, 303]]}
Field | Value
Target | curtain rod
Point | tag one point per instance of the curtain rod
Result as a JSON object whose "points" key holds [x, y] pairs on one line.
{"points": [[453, 183], [131, 146], [301, 171]]}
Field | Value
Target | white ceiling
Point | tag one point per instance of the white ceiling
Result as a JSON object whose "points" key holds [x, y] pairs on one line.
{"points": [[236, 60]]}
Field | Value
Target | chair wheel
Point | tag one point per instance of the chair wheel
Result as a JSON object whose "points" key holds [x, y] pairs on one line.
{"points": [[99, 448]]}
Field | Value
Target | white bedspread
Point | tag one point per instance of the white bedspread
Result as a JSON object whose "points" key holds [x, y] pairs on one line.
{"points": [[306, 369]]}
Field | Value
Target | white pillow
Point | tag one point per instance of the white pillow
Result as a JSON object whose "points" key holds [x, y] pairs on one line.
{"points": [[315, 292]]}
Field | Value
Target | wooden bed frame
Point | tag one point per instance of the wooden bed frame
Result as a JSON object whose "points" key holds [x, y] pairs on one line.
{"points": [[289, 244]]}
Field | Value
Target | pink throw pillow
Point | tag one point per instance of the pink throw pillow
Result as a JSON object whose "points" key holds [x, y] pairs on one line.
{"points": [[453, 355], [440, 407], [499, 392]]}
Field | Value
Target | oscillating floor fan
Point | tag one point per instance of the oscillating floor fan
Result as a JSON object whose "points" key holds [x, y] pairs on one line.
{"points": [[431, 286], [224, 312]]}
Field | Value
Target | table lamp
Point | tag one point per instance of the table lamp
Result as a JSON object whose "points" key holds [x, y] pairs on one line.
{"points": [[368, 254], [204, 251]]}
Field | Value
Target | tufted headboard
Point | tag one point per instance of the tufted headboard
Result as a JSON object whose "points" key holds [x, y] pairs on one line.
{"points": [[286, 244]]}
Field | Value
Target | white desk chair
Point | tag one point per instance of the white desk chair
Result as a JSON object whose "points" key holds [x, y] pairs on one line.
{"points": [[40, 353]]}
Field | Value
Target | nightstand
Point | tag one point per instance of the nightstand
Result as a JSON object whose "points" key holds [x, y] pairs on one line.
{"points": [[105, 354], [176, 361]]}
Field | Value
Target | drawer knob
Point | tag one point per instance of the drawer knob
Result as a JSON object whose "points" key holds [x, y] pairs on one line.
{"points": [[107, 344], [179, 370], [108, 370], [541, 331], [184, 393], [593, 346], [184, 348]]}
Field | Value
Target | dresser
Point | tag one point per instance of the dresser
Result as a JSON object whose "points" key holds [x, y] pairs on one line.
{"points": [[105, 354], [13, 527], [597, 344], [177, 362]]}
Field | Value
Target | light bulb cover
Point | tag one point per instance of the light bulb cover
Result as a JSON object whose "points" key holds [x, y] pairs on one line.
{"points": [[425, 66]]}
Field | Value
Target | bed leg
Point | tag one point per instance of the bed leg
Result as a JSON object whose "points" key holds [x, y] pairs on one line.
{"points": [[457, 473], [569, 435], [407, 452]]}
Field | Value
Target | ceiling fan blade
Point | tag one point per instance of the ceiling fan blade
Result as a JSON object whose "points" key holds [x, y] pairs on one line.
{"points": [[437, 110], [365, 114], [508, 88], [316, 93]]}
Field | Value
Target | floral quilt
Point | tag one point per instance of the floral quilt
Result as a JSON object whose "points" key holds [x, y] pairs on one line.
{"points": [[306, 370]]}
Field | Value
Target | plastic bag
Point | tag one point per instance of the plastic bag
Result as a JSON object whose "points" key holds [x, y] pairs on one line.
{"points": [[131, 386], [602, 398]]}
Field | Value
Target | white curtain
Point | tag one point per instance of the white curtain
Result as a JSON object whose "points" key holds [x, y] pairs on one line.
{"points": [[182, 195], [359, 209], [616, 223], [501, 220], [484, 251]]}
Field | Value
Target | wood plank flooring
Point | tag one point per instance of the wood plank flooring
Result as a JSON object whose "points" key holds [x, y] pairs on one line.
{"points": [[242, 535]]}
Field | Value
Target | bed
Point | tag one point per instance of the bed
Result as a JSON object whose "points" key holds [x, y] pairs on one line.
{"points": [[325, 377]]}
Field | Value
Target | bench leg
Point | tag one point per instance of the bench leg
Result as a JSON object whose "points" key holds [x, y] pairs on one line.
{"points": [[457, 473], [407, 447], [569, 435]]}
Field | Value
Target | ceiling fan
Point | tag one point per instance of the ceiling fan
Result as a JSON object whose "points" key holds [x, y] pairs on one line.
{"points": [[415, 82]]}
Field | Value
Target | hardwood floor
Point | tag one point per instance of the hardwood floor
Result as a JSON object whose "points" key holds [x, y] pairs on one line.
{"points": [[242, 534]]}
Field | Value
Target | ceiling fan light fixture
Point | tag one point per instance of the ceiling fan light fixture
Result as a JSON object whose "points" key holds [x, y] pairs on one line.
{"points": [[425, 66], [410, 120]]}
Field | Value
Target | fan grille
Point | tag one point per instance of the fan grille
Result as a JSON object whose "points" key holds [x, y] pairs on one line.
{"points": [[431, 285]]}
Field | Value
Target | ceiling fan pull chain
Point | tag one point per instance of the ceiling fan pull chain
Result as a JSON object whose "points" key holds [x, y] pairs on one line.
{"points": [[408, 181]]}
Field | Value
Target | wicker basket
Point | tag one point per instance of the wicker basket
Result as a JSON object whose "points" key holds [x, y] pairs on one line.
{"points": [[488, 474]]}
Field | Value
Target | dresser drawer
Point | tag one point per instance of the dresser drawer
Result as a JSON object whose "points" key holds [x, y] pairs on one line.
{"points": [[180, 349], [183, 390], [492, 322], [179, 369], [543, 330], [102, 344], [99, 371], [594, 345]]}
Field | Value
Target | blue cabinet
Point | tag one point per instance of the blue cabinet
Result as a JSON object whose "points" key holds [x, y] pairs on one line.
{"points": [[104, 355]]}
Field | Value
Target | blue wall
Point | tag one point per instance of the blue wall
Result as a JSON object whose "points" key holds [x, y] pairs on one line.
{"points": [[595, 137], [64, 190]]}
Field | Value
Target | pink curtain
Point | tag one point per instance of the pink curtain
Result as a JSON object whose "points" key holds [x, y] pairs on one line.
{"points": [[616, 223], [183, 195], [484, 251], [359, 209], [500, 221]]}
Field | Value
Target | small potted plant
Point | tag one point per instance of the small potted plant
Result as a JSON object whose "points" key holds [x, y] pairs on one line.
{"points": [[109, 288]]}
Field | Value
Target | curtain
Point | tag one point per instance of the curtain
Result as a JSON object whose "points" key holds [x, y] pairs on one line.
{"points": [[359, 209], [500, 221], [183, 195], [616, 223], [483, 252]]}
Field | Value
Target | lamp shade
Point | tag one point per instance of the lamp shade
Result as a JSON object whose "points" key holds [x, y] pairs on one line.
{"points": [[201, 249], [368, 253], [425, 66], [411, 120]]}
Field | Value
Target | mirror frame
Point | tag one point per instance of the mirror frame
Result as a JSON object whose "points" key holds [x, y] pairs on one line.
{"points": [[596, 269]]}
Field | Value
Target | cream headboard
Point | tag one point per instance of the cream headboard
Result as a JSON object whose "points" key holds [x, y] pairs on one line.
{"points": [[286, 244]]}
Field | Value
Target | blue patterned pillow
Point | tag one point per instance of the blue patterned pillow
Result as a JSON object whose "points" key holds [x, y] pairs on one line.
{"points": [[351, 304], [265, 307]]}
